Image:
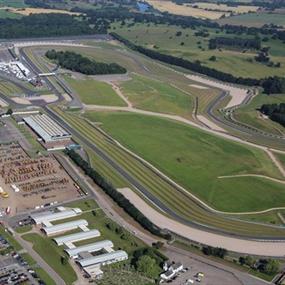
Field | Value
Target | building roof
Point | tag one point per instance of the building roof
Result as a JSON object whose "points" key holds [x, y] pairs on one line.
{"points": [[120, 254], [46, 128], [49, 216], [96, 246], [176, 265], [77, 237], [64, 227]]}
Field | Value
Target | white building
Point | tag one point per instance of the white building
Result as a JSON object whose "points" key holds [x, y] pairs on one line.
{"points": [[60, 228], [104, 259], [69, 239], [46, 217], [92, 247], [46, 128]]}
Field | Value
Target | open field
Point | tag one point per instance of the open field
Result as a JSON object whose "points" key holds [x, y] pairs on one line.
{"points": [[194, 159], [239, 9], [29, 11], [281, 158], [5, 14], [9, 89], [250, 115], [157, 96], [255, 19], [189, 46], [172, 8], [183, 204], [94, 92], [152, 73], [51, 256], [12, 3]]}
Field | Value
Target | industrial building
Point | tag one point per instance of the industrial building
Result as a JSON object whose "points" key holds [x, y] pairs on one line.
{"points": [[67, 240], [92, 247], [47, 129], [64, 227], [103, 259], [47, 217]]}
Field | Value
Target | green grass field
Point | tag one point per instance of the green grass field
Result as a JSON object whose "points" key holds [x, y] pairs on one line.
{"points": [[157, 96], [52, 256], [143, 67], [183, 204], [13, 3], [4, 14], [163, 39], [255, 19], [9, 89], [281, 158], [196, 160], [250, 115], [95, 92]]}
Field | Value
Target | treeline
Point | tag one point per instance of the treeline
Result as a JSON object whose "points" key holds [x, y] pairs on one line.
{"points": [[44, 25], [271, 85], [234, 42], [275, 112], [76, 62], [116, 196]]}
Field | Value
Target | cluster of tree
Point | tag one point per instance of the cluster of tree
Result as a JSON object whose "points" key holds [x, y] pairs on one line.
{"points": [[214, 251], [235, 42], [271, 85], [76, 62], [274, 85], [267, 266], [148, 261], [44, 25], [275, 112], [123, 202]]}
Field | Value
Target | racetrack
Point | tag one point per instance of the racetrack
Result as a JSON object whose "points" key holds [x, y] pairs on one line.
{"points": [[267, 248]]}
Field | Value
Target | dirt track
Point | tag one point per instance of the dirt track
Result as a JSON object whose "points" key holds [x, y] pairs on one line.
{"points": [[268, 248]]}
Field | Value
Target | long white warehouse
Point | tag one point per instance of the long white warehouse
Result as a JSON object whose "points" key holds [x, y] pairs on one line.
{"points": [[46, 128], [76, 237], [92, 247], [104, 259], [56, 229], [43, 218]]}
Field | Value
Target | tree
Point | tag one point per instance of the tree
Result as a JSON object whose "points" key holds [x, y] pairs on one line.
{"points": [[213, 58], [249, 261], [271, 267], [148, 266], [9, 111]]}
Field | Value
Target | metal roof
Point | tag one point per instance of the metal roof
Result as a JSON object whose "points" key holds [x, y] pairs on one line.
{"points": [[64, 227], [46, 128], [49, 216], [77, 237], [103, 258], [96, 246]]}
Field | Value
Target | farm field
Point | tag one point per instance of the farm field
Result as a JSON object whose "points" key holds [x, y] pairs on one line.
{"points": [[29, 11], [192, 47], [225, 8], [255, 19], [183, 205], [250, 115], [94, 92], [173, 8], [157, 96], [195, 158]]}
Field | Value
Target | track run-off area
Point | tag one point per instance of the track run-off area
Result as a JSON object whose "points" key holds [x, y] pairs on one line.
{"points": [[197, 218]]}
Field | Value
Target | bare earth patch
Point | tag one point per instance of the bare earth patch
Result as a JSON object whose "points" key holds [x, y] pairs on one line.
{"points": [[28, 11], [171, 7]]}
